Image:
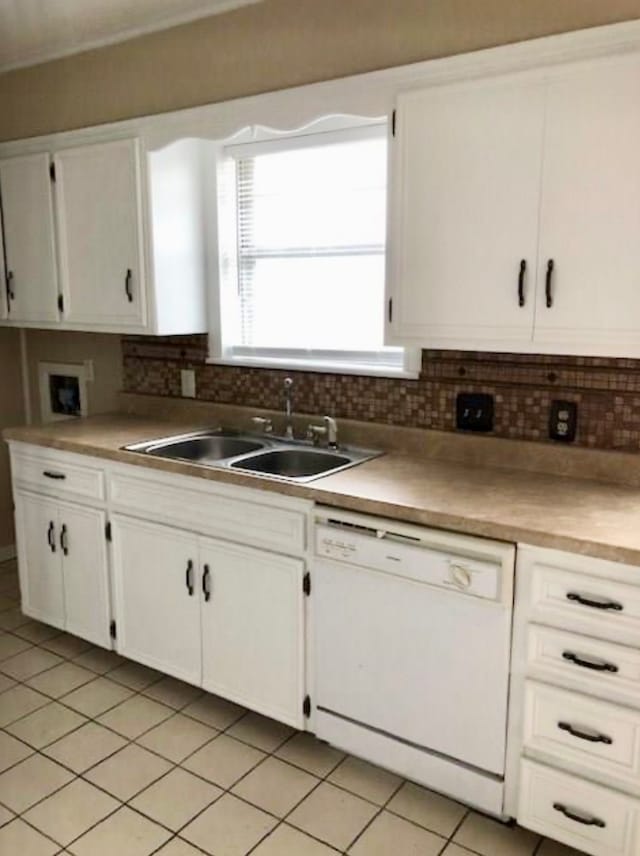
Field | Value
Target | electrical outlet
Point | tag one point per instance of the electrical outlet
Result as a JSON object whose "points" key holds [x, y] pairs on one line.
{"points": [[563, 421], [474, 411], [188, 383]]}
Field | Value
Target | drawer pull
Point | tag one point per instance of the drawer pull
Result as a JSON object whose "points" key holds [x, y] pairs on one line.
{"points": [[601, 666], [585, 735], [594, 604], [578, 818], [49, 474]]}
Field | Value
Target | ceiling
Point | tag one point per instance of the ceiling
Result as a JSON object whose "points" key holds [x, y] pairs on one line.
{"points": [[33, 31]]}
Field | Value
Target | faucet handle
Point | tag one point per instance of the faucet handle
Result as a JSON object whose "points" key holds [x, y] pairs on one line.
{"points": [[264, 423], [314, 432]]}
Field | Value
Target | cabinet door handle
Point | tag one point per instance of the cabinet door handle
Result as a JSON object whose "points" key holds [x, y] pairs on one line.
{"points": [[50, 474], [51, 536], [127, 285], [523, 270], [584, 735], [189, 577], [594, 604], [206, 583], [11, 294], [548, 281], [64, 544], [594, 665], [585, 821]]}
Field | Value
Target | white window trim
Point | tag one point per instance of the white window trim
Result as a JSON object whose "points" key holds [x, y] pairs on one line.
{"points": [[224, 314]]}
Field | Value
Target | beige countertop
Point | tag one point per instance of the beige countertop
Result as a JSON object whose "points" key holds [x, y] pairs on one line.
{"points": [[574, 514]]}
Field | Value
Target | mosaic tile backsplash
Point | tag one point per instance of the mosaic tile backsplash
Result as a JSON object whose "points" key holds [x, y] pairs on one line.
{"points": [[607, 391]]}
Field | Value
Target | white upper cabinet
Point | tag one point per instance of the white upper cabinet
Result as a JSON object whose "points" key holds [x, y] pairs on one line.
{"points": [[29, 241], [590, 213], [99, 227], [464, 211], [540, 168], [105, 237]]}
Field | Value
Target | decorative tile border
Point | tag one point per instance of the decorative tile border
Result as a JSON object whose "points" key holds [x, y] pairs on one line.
{"points": [[607, 391]]}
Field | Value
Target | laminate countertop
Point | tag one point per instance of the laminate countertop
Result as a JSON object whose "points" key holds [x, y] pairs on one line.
{"points": [[578, 515]]}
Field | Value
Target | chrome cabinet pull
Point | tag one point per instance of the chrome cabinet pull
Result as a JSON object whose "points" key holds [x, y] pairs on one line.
{"points": [[594, 604], [585, 821], [523, 270], [602, 666], [11, 294], [547, 286], [584, 735], [51, 536], [189, 577], [206, 583]]}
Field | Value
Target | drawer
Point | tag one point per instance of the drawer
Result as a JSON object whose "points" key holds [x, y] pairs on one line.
{"points": [[600, 738], [589, 604], [592, 818], [198, 508], [57, 473], [584, 664]]}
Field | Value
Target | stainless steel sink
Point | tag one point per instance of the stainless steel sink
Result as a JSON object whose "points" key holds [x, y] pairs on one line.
{"points": [[293, 463], [202, 447], [269, 456]]}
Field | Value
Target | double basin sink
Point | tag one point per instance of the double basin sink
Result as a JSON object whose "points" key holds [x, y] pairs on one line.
{"points": [[262, 455]]}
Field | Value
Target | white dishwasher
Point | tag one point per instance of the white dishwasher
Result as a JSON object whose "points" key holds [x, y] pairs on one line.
{"points": [[411, 649]]}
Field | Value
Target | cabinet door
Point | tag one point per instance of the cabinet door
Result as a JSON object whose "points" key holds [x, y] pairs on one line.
{"points": [[590, 217], [86, 589], [252, 629], [463, 214], [98, 205], [39, 558], [157, 599], [32, 283]]}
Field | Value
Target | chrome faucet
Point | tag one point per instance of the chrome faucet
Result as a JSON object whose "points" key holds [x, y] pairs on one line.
{"points": [[329, 429], [288, 410]]}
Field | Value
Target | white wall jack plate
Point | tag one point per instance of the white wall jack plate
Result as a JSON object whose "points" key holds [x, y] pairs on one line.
{"points": [[188, 383]]}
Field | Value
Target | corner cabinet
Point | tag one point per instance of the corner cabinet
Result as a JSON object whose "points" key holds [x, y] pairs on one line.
{"points": [[515, 213], [81, 241]]}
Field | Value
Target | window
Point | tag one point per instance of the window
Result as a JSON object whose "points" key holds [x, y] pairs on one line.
{"points": [[309, 269]]}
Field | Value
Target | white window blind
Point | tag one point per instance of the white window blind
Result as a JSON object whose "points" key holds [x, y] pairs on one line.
{"points": [[311, 237]]}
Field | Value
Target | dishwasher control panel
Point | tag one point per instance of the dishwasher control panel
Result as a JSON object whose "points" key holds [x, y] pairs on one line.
{"points": [[380, 550]]}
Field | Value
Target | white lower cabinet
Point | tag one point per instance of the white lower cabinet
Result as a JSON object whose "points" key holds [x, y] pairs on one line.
{"points": [[220, 615], [39, 558], [574, 706], [62, 563], [252, 628], [156, 602]]}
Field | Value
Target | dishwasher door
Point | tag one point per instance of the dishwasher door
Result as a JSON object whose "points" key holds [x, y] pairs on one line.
{"points": [[412, 659]]}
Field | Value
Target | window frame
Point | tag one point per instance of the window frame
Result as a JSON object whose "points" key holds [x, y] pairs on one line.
{"points": [[224, 331]]}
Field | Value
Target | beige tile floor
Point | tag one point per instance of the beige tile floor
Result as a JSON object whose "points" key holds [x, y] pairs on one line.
{"points": [[102, 757]]}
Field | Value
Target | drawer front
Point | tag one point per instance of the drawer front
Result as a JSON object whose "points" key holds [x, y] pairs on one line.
{"points": [[584, 664], [592, 818], [57, 473], [205, 512], [594, 605], [602, 739]]}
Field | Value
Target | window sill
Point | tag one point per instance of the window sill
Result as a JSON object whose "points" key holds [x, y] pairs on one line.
{"points": [[321, 366]]}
